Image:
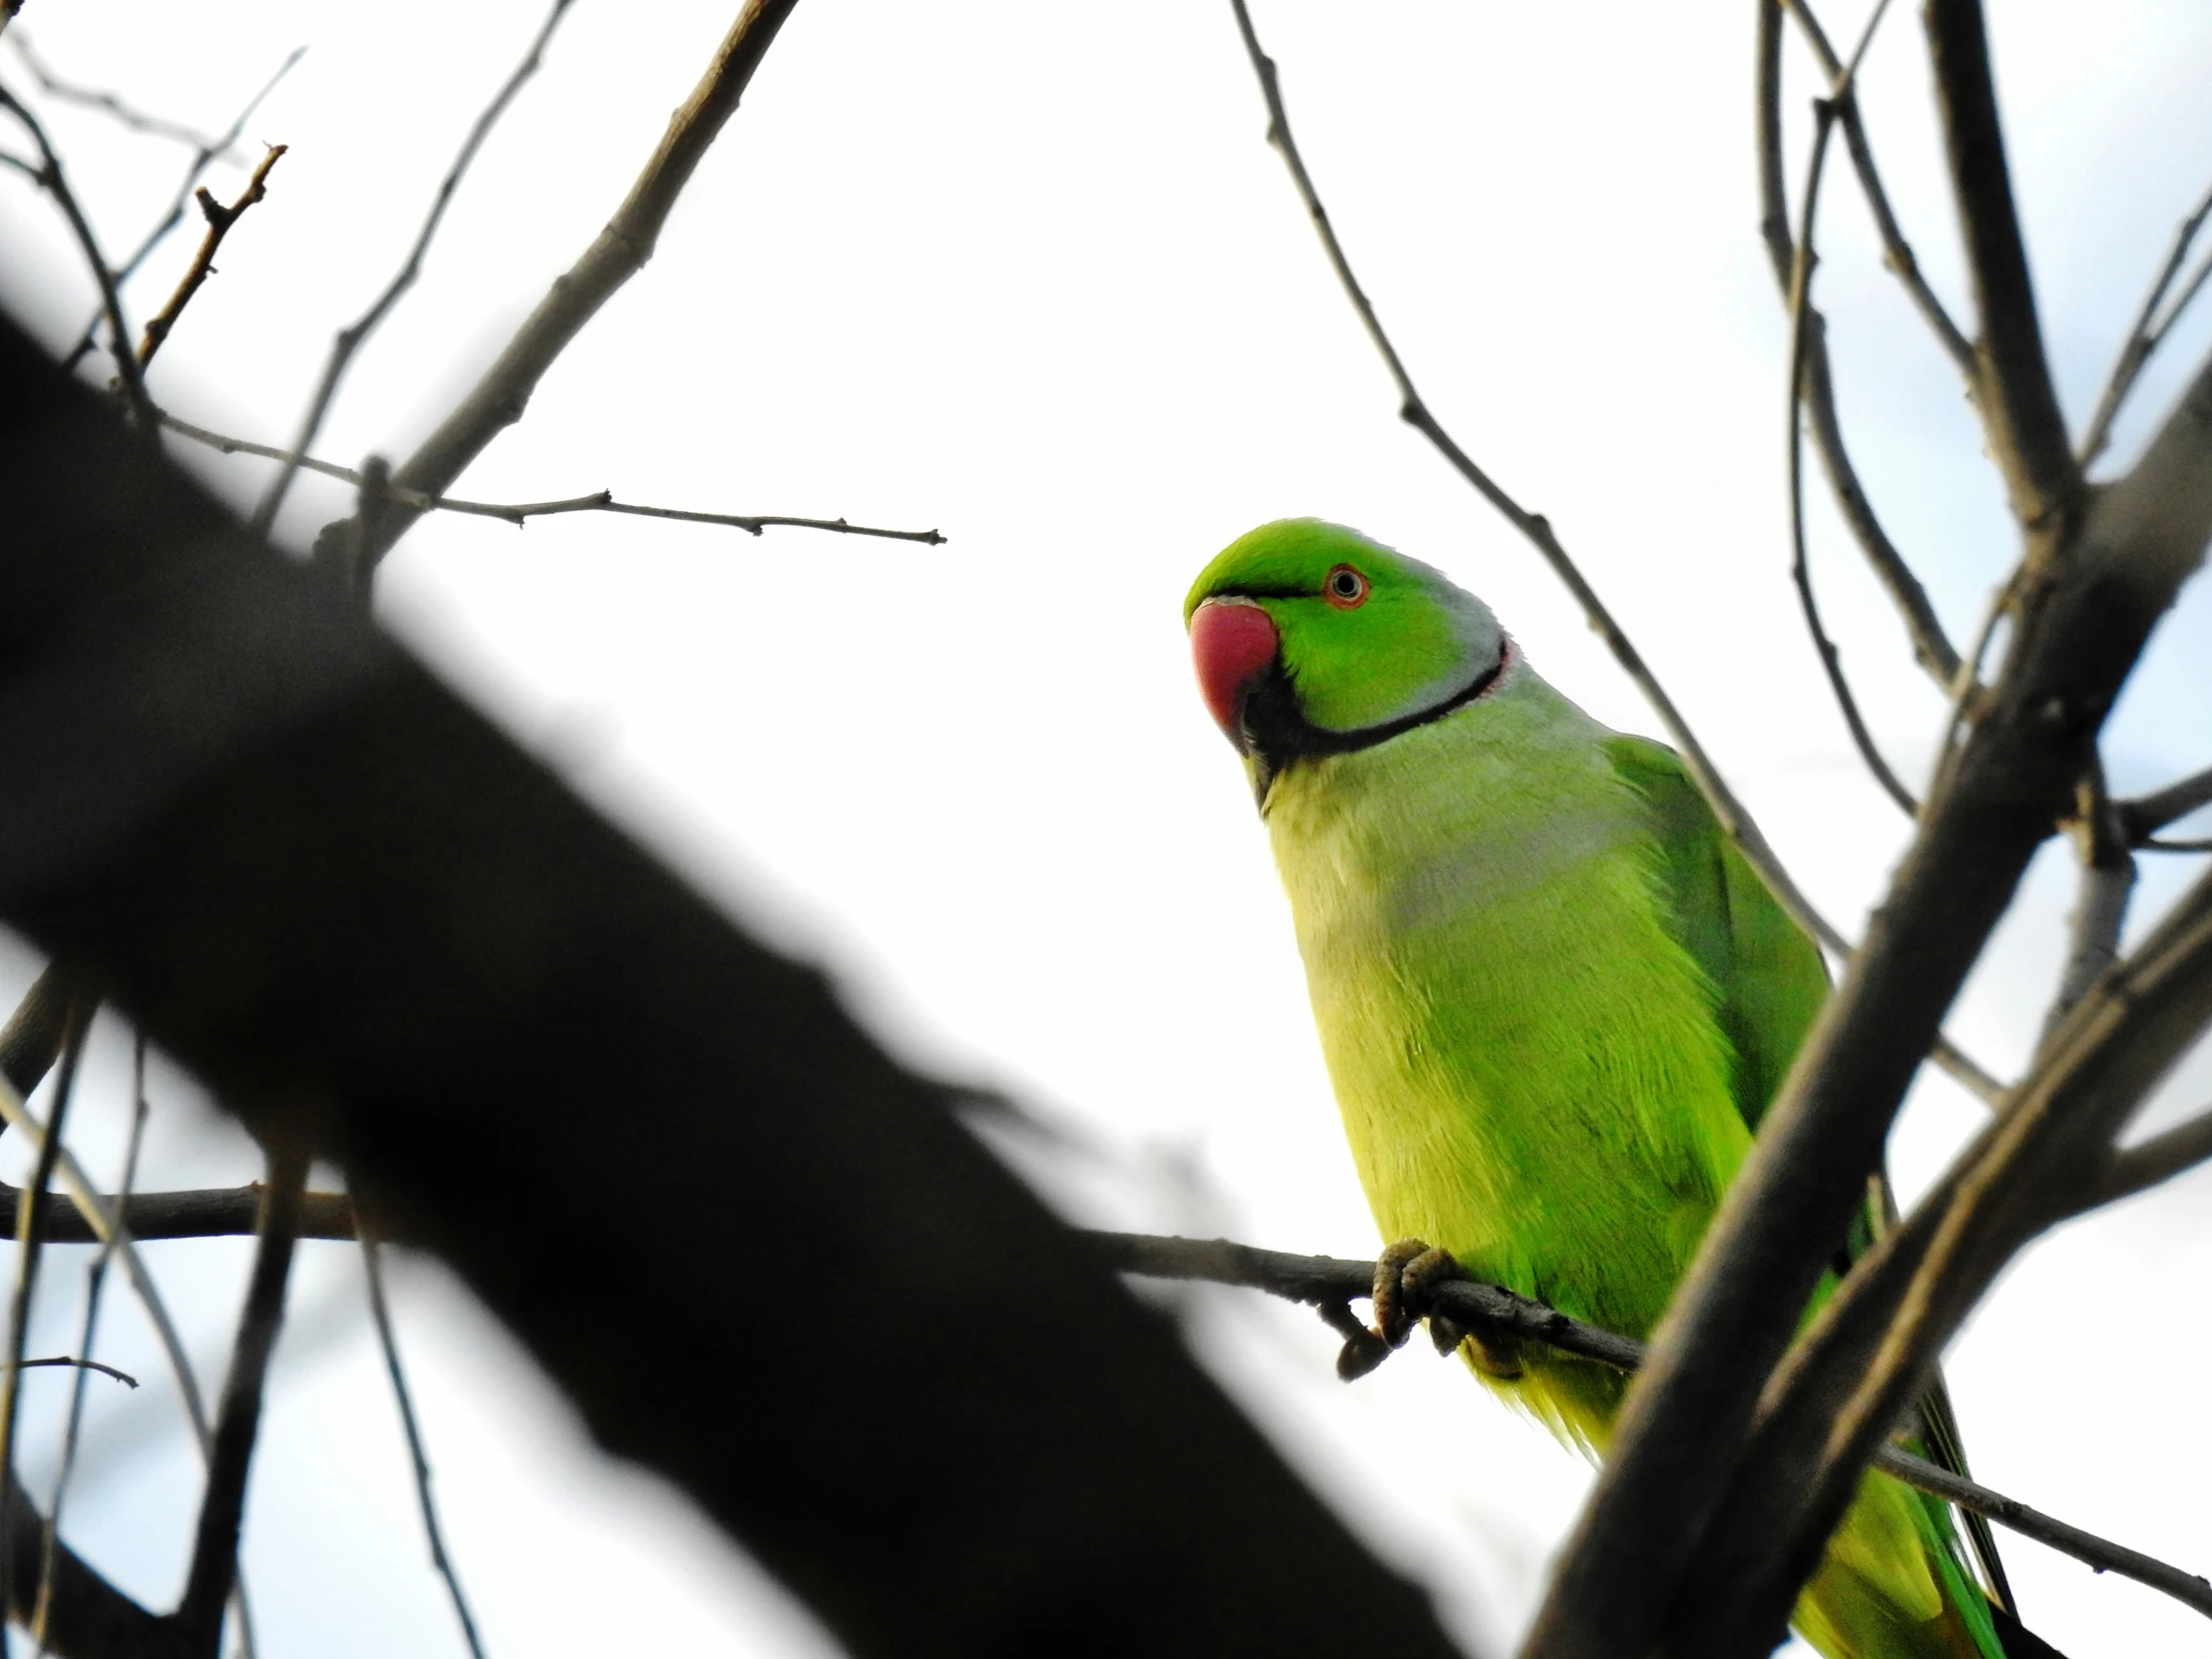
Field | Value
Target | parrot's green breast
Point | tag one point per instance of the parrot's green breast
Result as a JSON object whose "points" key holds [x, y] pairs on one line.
{"points": [[1529, 1063]]}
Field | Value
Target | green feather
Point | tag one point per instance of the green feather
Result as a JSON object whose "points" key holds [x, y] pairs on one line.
{"points": [[1553, 998]]}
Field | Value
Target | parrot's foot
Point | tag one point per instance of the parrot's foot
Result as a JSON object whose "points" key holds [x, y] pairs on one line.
{"points": [[1407, 1277]]}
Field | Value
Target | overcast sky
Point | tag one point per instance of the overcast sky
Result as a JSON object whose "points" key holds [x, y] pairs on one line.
{"points": [[1030, 275]]}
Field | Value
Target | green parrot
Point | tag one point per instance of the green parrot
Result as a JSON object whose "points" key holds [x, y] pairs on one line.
{"points": [[1553, 998]]}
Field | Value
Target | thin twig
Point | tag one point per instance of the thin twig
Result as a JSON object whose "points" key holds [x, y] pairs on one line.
{"points": [[615, 255], [56, 182], [1800, 573], [1930, 645], [28, 1239], [1330, 1281], [220, 219], [96, 1281], [2144, 336], [107, 103], [1735, 822], [2018, 403], [2147, 814], [1896, 252], [238, 1424], [381, 1310], [349, 339], [87, 336], [520, 512]]}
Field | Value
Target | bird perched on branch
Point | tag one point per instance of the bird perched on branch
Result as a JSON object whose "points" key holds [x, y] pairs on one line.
{"points": [[1553, 997]]}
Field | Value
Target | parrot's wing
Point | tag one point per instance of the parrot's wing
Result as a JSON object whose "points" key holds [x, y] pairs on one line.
{"points": [[1765, 971], [1771, 982]]}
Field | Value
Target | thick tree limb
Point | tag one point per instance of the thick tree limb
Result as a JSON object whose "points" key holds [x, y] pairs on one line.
{"points": [[2084, 609], [619, 253], [363, 914], [1871, 1350]]}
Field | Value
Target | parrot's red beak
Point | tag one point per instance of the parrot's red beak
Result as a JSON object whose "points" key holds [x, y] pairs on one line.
{"points": [[1233, 645]]}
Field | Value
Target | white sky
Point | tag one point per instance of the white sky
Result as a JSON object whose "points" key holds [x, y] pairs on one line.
{"points": [[1029, 273]]}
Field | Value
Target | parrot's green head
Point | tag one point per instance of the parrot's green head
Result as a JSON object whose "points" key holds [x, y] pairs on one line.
{"points": [[1310, 639]]}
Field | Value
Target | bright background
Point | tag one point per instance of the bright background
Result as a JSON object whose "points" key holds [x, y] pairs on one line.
{"points": [[1030, 275]]}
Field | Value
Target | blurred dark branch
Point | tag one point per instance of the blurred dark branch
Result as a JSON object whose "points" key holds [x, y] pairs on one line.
{"points": [[55, 183], [1930, 643], [1871, 1351], [109, 103], [2144, 816], [2019, 406], [239, 1417], [32, 1039], [1801, 571], [2147, 332], [349, 339], [1896, 252], [388, 1340], [87, 336], [1330, 1283], [519, 512], [2082, 605], [452, 938], [1734, 820], [220, 219], [618, 253], [85, 1617]]}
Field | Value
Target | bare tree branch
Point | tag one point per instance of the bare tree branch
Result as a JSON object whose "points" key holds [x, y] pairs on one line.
{"points": [[1896, 252], [2146, 333], [1930, 643], [2147, 814], [2083, 608], [56, 182], [87, 336], [1800, 573], [2019, 406], [1735, 822], [220, 219], [27, 1252], [1871, 1351], [349, 339], [2138, 1168], [1330, 1281], [520, 512], [95, 1289], [388, 1340], [237, 1423], [2107, 879], [108, 103], [618, 253]]}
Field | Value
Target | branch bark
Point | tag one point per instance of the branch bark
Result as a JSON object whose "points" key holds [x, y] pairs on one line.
{"points": [[621, 251]]}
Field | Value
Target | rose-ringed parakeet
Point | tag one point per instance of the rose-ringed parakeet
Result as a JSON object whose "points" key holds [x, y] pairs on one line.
{"points": [[1555, 1000]]}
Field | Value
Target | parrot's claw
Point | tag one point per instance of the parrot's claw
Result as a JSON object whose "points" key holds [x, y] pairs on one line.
{"points": [[1407, 1277], [1362, 1349]]}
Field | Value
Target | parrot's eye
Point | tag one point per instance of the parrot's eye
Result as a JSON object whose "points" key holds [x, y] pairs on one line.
{"points": [[1346, 588]]}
